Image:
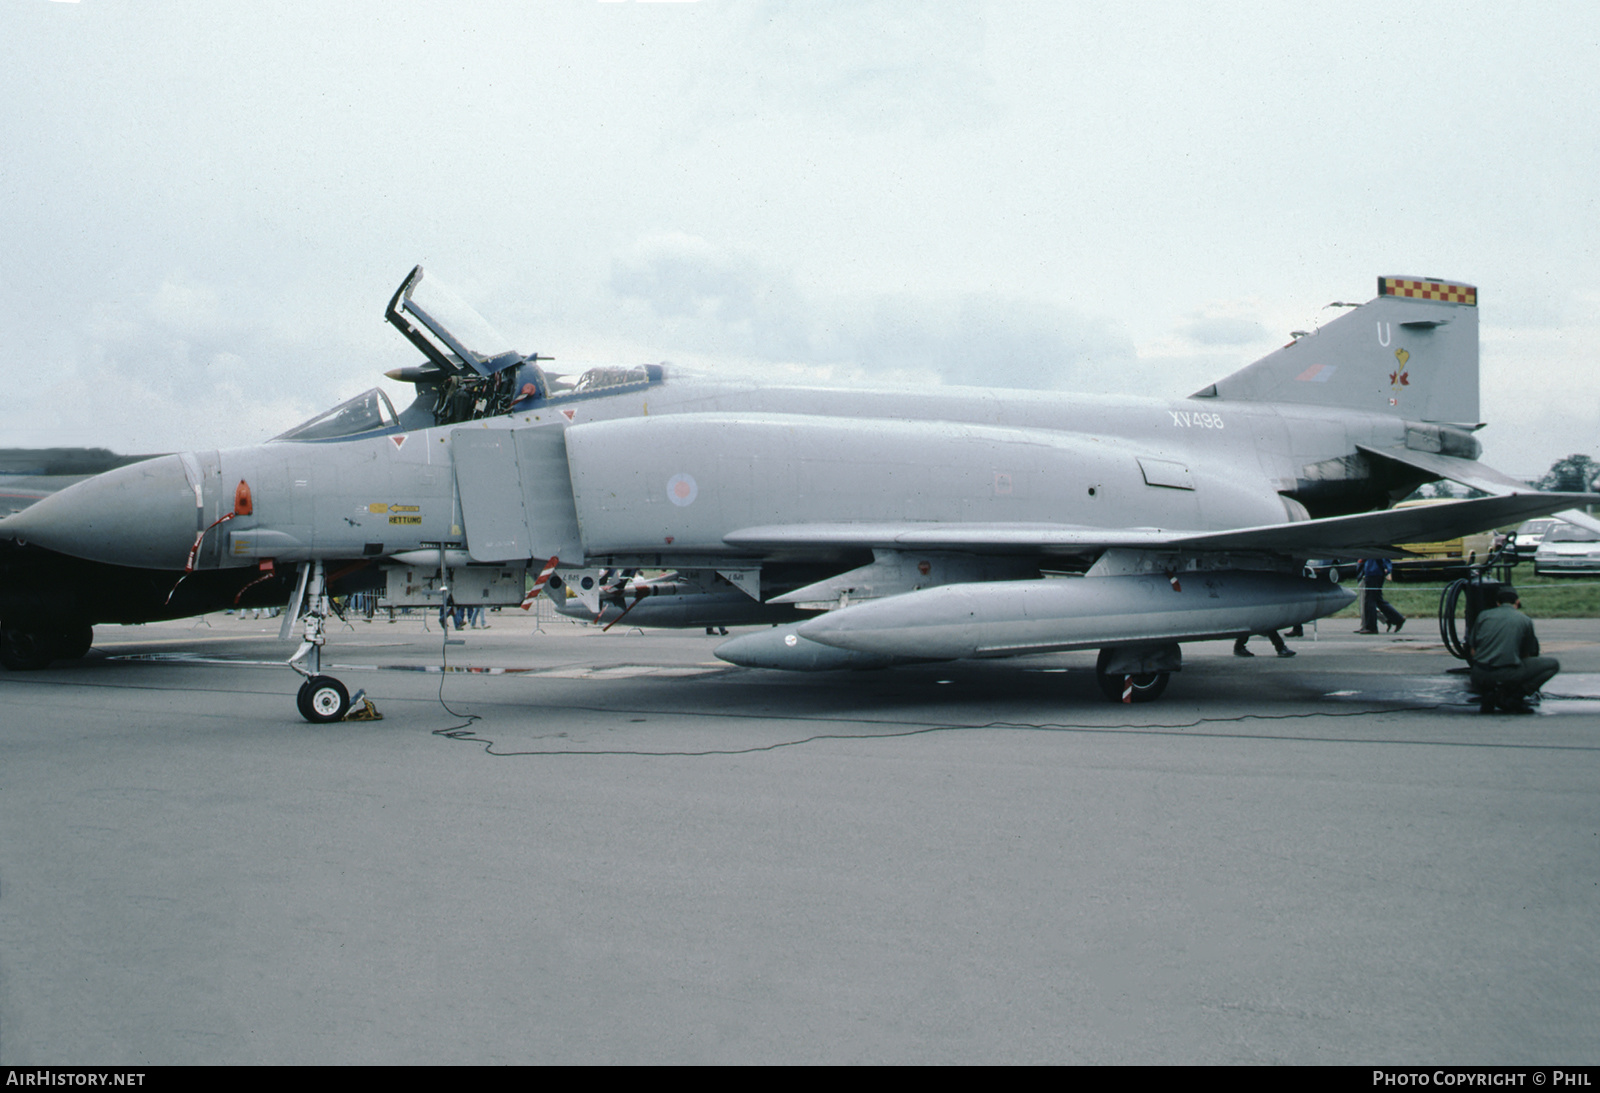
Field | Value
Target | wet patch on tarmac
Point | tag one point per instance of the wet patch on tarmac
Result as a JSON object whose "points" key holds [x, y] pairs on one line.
{"points": [[1577, 693]]}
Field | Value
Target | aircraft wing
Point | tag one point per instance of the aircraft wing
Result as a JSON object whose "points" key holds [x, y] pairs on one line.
{"points": [[1375, 533], [1362, 535]]}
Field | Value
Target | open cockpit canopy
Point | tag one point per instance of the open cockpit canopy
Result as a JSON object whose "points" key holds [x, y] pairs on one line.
{"points": [[473, 372]]}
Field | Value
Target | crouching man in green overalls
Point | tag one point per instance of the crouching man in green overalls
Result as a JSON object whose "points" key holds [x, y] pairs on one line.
{"points": [[1506, 665]]}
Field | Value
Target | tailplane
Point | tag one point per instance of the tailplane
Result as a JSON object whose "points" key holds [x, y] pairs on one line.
{"points": [[1411, 352]]}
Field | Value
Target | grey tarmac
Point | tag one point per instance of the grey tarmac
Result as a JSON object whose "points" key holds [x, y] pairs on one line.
{"points": [[637, 853]]}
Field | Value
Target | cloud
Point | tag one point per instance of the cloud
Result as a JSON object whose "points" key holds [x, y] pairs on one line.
{"points": [[985, 340], [863, 64], [713, 299], [185, 362], [692, 295], [1540, 395], [1223, 330]]}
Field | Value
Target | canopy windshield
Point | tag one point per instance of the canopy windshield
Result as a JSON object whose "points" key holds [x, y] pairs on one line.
{"points": [[369, 412]]}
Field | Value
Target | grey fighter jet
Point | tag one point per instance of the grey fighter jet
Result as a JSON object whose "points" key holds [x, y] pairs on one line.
{"points": [[891, 526]]}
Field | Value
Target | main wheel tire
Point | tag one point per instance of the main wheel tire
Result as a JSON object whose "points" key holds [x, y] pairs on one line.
{"points": [[24, 650], [1146, 687], [323, 699], [73, 644]]}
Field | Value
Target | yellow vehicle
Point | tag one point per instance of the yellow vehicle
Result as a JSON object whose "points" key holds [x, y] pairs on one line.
{"points": [[1444, 559]]}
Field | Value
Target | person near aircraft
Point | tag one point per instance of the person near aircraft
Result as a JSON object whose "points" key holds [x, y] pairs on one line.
{"points": [[1375, 571], [1273, 636], [1506, 665]]}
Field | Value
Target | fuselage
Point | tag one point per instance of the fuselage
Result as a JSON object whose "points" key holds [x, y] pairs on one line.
{"points": [[660, 476]]}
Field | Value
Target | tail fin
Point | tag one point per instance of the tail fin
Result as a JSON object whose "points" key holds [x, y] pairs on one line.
{"points": [[1411, 352]]}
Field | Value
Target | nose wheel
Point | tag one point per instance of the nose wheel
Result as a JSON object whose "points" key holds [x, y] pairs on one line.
{"points": [[323, 699]]}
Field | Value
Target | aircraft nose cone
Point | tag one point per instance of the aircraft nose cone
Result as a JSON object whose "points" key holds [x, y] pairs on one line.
{"points": [[140, 515]]}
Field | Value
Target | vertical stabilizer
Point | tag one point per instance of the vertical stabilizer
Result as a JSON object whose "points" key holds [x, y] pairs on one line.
{"points": [[1411, 352]]}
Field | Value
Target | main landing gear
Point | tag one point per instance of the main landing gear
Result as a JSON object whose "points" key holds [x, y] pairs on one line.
{"points": [[28, 650], [322, 698], [1124, 674]]}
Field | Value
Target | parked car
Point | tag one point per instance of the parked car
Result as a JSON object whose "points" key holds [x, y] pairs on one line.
{"points": [[1568, 549], [1333, 569], [1530, 533]]}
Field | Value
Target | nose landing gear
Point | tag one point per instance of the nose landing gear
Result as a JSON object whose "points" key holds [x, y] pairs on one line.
{"points": [[322, 698]]}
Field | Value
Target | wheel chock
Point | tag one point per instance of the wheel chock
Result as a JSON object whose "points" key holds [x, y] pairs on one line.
{"points": [[367, 711]]}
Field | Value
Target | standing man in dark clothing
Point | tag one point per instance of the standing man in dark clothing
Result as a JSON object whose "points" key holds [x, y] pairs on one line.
{"points": [[1506, 665], [1278, 643], [1374, 571]]}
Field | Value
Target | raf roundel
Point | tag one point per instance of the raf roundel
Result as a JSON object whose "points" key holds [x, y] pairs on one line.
{"points": [[681, 490]]}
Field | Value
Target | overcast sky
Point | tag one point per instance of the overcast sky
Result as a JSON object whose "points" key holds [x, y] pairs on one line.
{"points": [[205, 206]]}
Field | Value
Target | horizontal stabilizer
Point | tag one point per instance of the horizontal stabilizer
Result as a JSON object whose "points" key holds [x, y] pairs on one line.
{"points": [[1471, 473], [1468, 472]]}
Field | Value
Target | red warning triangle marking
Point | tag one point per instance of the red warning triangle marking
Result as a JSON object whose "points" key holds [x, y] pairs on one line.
{"points": [[399, 440], [568, 414]]}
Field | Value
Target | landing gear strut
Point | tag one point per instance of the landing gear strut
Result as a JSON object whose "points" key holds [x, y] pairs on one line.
{"points": [[1125, 675], [322, 698]]}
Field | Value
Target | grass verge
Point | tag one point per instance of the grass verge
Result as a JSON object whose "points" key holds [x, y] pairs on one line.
{"points": [[1542, 598]]}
